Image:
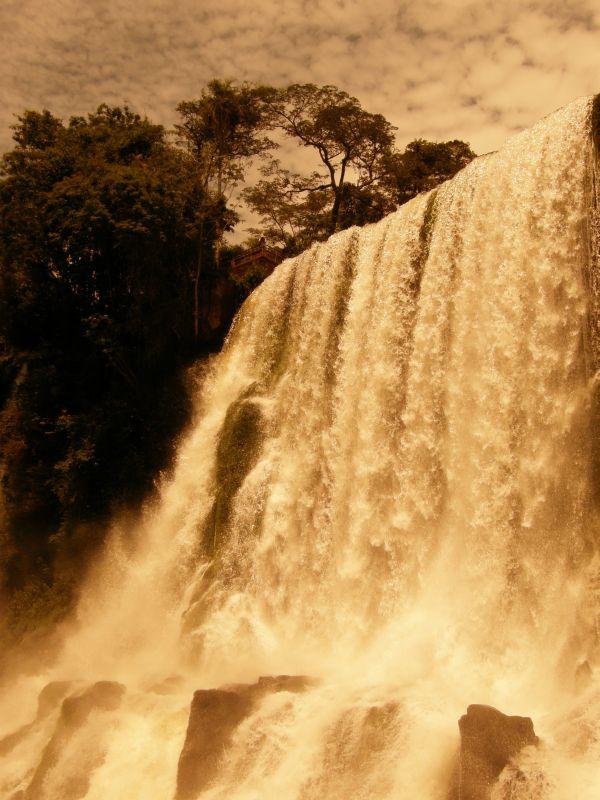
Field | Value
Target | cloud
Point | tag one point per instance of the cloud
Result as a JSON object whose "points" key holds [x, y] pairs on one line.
{"points": [[440, 69]]}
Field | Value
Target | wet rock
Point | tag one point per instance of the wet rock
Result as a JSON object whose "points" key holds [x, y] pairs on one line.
{"points": [[489, 741], [282, 683], [104, 695], [48, 700], [75, 710], [51, 695], [11, 740], [214, 716]]}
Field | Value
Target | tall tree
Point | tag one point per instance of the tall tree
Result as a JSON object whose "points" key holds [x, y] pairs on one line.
{"points": [[222, 130], [349, 142]]}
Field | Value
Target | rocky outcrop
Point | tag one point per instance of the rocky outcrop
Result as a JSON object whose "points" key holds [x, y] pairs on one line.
{"points": [[75, 710], [214, 717], [51, 695], [48, 700], [489, 740], [238, 448]]}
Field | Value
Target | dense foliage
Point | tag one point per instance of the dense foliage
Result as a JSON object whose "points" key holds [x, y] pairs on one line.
{"points": [[221, 131], [98, 236], [115, 276]]}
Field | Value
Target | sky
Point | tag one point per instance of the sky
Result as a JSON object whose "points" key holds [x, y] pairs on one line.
{"points": [[437, 69]]}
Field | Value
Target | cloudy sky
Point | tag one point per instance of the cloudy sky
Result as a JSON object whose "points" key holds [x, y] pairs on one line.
{"points": [[471, 69]]}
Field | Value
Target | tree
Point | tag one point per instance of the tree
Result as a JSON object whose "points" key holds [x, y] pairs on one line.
{"points": [[222, 130], [350, 143], [422, 166], [288, 220], [99, 230]]}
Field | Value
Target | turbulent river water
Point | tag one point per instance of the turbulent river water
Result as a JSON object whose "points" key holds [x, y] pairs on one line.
{"points": [[391, 487]]}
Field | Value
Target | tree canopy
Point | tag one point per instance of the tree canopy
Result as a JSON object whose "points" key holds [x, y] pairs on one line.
{"points": [[422, 166], [99, 232], [221, 131]]}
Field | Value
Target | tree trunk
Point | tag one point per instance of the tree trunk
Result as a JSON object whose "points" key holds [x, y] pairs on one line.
{"points": [[218, 228], [335, 211], [218, 244], [337, 192], [197, 285]]}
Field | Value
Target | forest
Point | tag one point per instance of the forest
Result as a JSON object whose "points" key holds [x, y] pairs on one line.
{"points": [[116, 242]]}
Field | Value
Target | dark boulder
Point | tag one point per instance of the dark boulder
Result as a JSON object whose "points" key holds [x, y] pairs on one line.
{"points": [[103, 695], [48, 700], [75, 710], [214, 716], [489, 740], [282, 683], [51, 695]]}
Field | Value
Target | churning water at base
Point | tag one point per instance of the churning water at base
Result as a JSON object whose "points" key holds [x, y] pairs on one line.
{"points": [[390, 487]]}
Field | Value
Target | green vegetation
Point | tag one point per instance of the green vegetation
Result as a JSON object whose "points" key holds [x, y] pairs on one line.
{"points": [[115, 276], [359, 174], [98, 234]]}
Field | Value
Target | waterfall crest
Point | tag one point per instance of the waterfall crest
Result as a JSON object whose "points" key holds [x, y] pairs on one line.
{"points": [[390, 487]]}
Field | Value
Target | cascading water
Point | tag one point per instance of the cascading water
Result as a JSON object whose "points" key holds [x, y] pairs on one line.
{"points": [[390, 488]]}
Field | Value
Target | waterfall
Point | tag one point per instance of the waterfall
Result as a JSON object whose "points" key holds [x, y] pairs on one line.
{"points": [[390, 487]]}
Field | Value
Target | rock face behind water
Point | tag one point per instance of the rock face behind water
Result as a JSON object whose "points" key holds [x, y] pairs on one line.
{"points": [[214, 716], [103, 696], [489, 740]]}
